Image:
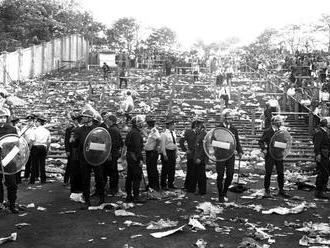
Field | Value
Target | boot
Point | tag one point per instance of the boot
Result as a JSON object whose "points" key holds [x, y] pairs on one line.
{"points": [[137, 199], [129, 199], [102, 200], [267, 194], [283, 194]]}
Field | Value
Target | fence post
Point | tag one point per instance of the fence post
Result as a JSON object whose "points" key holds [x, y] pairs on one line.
{"points": [[82, 50], [4, 64], [77, 50], [20, 64], [253, 122], [63, 44], [296, 109], [43, 48], [70, 51], [310, 122], [53, 55], [33, 54], [87, 51]]}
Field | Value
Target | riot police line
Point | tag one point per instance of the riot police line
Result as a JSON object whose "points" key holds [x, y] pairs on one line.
{"points": [[94, 144]]}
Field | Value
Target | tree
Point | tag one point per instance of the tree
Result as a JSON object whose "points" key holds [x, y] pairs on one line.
{"points": [[324, 26], [161, 40], [123, 35]]}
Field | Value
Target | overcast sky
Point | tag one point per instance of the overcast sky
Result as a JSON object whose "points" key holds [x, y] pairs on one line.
{"points": [[210, 20]]}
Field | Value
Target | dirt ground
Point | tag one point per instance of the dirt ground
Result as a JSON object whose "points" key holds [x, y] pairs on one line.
{"points": [[101, 228]]}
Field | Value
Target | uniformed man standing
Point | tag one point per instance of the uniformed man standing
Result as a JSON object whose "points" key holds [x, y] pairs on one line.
{"points": [[189, 137], [322, 149], [227, 165], [111, 165], [151, 147], [200, 158], [134, 144], [78, 141], [40, 146], [168, 148], [264, 143], [10, 180]]}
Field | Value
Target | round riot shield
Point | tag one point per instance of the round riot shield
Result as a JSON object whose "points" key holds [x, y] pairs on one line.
{"points": [[14, 154], [219, 144], [280, 145], [97, 146]]}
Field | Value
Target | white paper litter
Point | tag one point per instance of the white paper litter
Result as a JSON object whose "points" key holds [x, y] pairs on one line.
{"points": [[12, 237], [122, 212], [196, 224], [161, 224], [201, 243], [283, 211], [77, 197], [166, 233]]}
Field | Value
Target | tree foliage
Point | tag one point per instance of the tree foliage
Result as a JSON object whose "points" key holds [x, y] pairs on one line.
{"points": [[161, 40], [26, 22], [123, 36]]}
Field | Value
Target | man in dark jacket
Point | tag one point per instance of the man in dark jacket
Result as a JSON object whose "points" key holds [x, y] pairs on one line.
{"points": [[10, 180], [200, 158], [189, 137], [227, 165], [78, 140], [134, 144], [111, 165], [264, 144], [321, 149]]}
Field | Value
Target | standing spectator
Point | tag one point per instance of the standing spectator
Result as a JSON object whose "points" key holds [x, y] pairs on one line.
{"points": [[123, 77], [168, 148], [40, 146], [106, 70]]}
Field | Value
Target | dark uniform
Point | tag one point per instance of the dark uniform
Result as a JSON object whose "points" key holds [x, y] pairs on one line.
{"points": [[111, 166], [189, 137], [75, 172], [270, 162], [10, 180], [80, 135], [322, 148], [68, 150], [200, 158], [227, 165], [134, 144]]}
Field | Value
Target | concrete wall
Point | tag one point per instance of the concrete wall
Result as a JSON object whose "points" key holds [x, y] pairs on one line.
{"points": [[66, 52]]}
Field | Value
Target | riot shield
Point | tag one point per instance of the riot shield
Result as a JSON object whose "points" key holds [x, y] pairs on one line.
{"points": [[97, 146], [219, 144], [14, 154], [280, 145]]}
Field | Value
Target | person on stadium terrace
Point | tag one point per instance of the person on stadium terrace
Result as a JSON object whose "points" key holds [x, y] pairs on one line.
{"points": [[152, 152], [106, 70], [40, 146], [168, 149], [189, 137], [123, 77], [321, 142], [28, 137], [264, 143], [134, 157], [111, 165], [85, 168], [128, 106], [68, 146], [267, 116], [227, 165], [10, 180], [200, 158]]}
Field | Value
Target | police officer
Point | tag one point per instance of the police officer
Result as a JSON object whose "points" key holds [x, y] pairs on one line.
{"points": [[322, 149], [111, 165], [200, 158], [10, 180], [189, 137], [134, 144], [78, 141], [227, 165], [68, 147], [151, 147], [168, 148], [264, 143]]}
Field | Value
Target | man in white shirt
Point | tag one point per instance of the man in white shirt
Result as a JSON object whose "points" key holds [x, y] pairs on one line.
{"points": [[40, 146], [151, 148], [168, 148]]}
